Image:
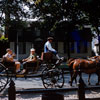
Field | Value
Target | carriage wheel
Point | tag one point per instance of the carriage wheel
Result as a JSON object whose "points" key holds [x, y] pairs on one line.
{"points": [[3, 77], [52, 78]]}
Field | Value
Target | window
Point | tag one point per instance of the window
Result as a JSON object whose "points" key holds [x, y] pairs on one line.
{"points": [[72, 47], [21, 47], [82, 47]]}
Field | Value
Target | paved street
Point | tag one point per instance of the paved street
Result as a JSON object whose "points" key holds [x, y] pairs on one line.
{"points": [[22, 83]]}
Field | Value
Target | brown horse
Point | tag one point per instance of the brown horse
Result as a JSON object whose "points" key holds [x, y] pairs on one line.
{"points": [[70, 65], [86, 66]]}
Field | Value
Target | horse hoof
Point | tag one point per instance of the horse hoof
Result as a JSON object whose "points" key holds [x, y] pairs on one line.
{"points": [[70, 83], [84, 84]]}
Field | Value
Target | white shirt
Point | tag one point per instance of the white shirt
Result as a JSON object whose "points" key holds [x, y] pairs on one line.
{"points": [[95, 49], [48, 47], [7, 55]]}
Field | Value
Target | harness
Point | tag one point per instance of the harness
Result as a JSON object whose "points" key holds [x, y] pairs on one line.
{"points": [[97, 63]]}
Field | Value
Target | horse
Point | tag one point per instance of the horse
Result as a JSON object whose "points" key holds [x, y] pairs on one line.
{"points": [[84, 65], [70, 65]]}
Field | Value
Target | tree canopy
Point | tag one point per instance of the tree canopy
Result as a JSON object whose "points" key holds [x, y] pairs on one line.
{"points": [[76, 11], [51, 13]]}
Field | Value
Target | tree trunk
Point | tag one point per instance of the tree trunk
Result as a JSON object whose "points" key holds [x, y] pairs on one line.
{"points": [[68, 47], [7, 21]]}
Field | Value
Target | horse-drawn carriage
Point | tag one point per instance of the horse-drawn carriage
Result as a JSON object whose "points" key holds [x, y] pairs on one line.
{"points": [[51, 74]]}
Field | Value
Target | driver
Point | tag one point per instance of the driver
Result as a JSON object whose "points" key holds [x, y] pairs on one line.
{"points": [[48, 47]]}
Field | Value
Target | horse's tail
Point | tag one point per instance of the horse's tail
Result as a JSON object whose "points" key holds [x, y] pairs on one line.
{"points": [[70, 65]]}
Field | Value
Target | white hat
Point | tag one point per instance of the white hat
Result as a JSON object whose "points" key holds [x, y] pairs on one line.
{"points": [[50, 38], [32, 49]]}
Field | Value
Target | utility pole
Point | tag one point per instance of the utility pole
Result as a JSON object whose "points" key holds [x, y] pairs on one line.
{"points": [[68, 46], [18, 33]]}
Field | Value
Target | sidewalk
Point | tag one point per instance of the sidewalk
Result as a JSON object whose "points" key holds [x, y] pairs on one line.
{"points": [[22, 83], [67, 96]]}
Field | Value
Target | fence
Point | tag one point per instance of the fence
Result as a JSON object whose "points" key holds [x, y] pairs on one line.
{"points": [[52, 94]]}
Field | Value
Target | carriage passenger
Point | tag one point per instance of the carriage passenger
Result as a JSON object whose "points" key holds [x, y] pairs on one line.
{"points": [[30, 61], [9, 57]]}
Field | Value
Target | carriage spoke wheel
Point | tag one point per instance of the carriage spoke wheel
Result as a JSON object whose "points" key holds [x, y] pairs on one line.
{"points": [[3, 77], [52, 78]]}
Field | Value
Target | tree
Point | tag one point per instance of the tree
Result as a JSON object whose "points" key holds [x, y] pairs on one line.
{"points": [[12, 10], [77, 12], [55, 11], [92, 8]]}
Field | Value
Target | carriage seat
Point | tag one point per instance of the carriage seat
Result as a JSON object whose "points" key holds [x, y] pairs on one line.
{"points": [[47, 57], [9, 64], [31, 66]]}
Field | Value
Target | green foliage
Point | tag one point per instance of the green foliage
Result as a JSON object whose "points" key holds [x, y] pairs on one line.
{"points": [[51, 12], [13, 9], [2, 38], [78, 12], [37, 2], [18, 24]]}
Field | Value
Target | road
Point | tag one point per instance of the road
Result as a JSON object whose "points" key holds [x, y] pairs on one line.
{"points": [[22, 83]]}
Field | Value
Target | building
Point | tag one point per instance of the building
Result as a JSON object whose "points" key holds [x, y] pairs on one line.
{"points": [[76, 43]]}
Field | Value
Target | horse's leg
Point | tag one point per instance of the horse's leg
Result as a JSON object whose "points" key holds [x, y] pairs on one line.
{"points": [[76, 79], [71, 73], [98, 74], [98, 78], [89, 79], [73, 77]]}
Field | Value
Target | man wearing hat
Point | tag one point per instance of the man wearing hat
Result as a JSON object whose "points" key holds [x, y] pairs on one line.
{"points": [[48, 47], [9, 56], [31, 59]]}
